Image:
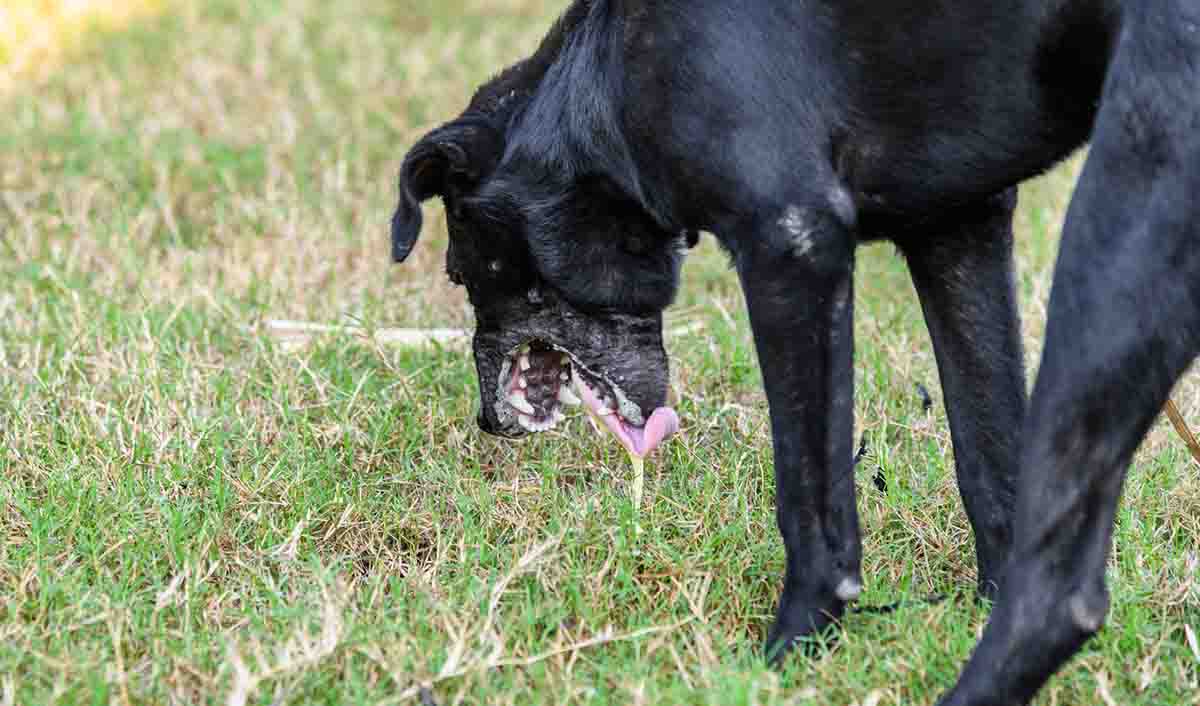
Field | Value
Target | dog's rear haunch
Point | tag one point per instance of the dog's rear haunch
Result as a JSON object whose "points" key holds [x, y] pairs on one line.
{"points": [[793, 132]]}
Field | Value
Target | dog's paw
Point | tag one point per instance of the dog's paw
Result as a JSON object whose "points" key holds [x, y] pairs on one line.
{"points": [[806, 632]]}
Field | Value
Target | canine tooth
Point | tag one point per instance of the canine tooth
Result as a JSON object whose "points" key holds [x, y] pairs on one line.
{"points": [[563, 376], [517, 399], [523, 361], [567, 396], [522, 382]]}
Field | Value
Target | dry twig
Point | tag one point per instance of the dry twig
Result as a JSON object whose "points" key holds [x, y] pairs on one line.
{"points": [[302, 332], [1184, 432]]}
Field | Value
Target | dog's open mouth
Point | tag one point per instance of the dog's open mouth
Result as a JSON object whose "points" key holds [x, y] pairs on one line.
{"points": [[537, 380]]}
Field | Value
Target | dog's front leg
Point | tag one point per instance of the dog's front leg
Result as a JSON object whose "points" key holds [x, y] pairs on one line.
{"points": [[797, 275]]}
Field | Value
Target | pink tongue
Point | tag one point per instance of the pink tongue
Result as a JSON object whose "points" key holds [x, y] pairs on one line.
{"points": [[662, 424], [638, 441]]}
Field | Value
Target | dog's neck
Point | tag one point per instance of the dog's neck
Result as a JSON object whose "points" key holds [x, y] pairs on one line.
{"points": [[516, 84], [560, 109]]}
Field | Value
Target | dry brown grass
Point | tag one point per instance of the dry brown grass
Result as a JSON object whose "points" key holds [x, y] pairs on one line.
{"points": [[192, 513]]}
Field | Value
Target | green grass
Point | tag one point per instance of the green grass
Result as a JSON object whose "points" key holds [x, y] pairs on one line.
{"points": [[192, 511]]}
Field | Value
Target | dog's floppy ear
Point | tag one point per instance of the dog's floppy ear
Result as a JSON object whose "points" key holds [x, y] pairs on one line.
{"points": [[455, 156]]}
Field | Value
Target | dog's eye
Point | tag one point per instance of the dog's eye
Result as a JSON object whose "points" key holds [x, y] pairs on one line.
{"points": [[495, 266]]}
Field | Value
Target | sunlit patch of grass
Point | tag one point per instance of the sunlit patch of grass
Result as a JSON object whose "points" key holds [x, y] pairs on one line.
{"points": [[34, 34]]}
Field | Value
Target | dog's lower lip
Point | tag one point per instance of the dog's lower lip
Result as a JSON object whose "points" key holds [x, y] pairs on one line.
{"points": [[638, 439]]}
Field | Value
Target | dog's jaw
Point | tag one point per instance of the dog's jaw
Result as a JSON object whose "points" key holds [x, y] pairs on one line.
{"points": [[537, 380]]}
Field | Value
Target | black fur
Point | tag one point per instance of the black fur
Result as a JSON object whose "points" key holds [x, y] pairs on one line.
{"points": [[795, 131]]}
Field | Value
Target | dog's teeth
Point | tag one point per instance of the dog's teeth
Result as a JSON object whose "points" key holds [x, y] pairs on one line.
{"points": [[563, 376], [517, 400], [524, 362], [567, 396], [522, 382]]}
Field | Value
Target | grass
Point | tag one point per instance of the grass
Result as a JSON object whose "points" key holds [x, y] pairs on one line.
{"points": [[191, 512], [34, 34]]}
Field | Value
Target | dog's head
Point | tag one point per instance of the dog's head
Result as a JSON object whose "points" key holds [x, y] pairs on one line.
{"points": [[568, 276]]}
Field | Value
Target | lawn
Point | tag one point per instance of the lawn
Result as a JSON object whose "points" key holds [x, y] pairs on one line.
{"points": [[192, 511]]}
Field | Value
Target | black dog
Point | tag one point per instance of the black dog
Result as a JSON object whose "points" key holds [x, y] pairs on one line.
{"points": [[794, 131]]}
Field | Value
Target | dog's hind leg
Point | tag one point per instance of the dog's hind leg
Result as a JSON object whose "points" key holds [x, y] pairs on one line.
{"points": [[1124, 324], [963, 272]]}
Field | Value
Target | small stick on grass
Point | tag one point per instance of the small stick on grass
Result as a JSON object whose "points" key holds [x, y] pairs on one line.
{"points": [[1182, 428], [303, 332]]}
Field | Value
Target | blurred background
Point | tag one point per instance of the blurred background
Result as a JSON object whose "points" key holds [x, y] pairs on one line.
{"points": [[193, 510]]}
